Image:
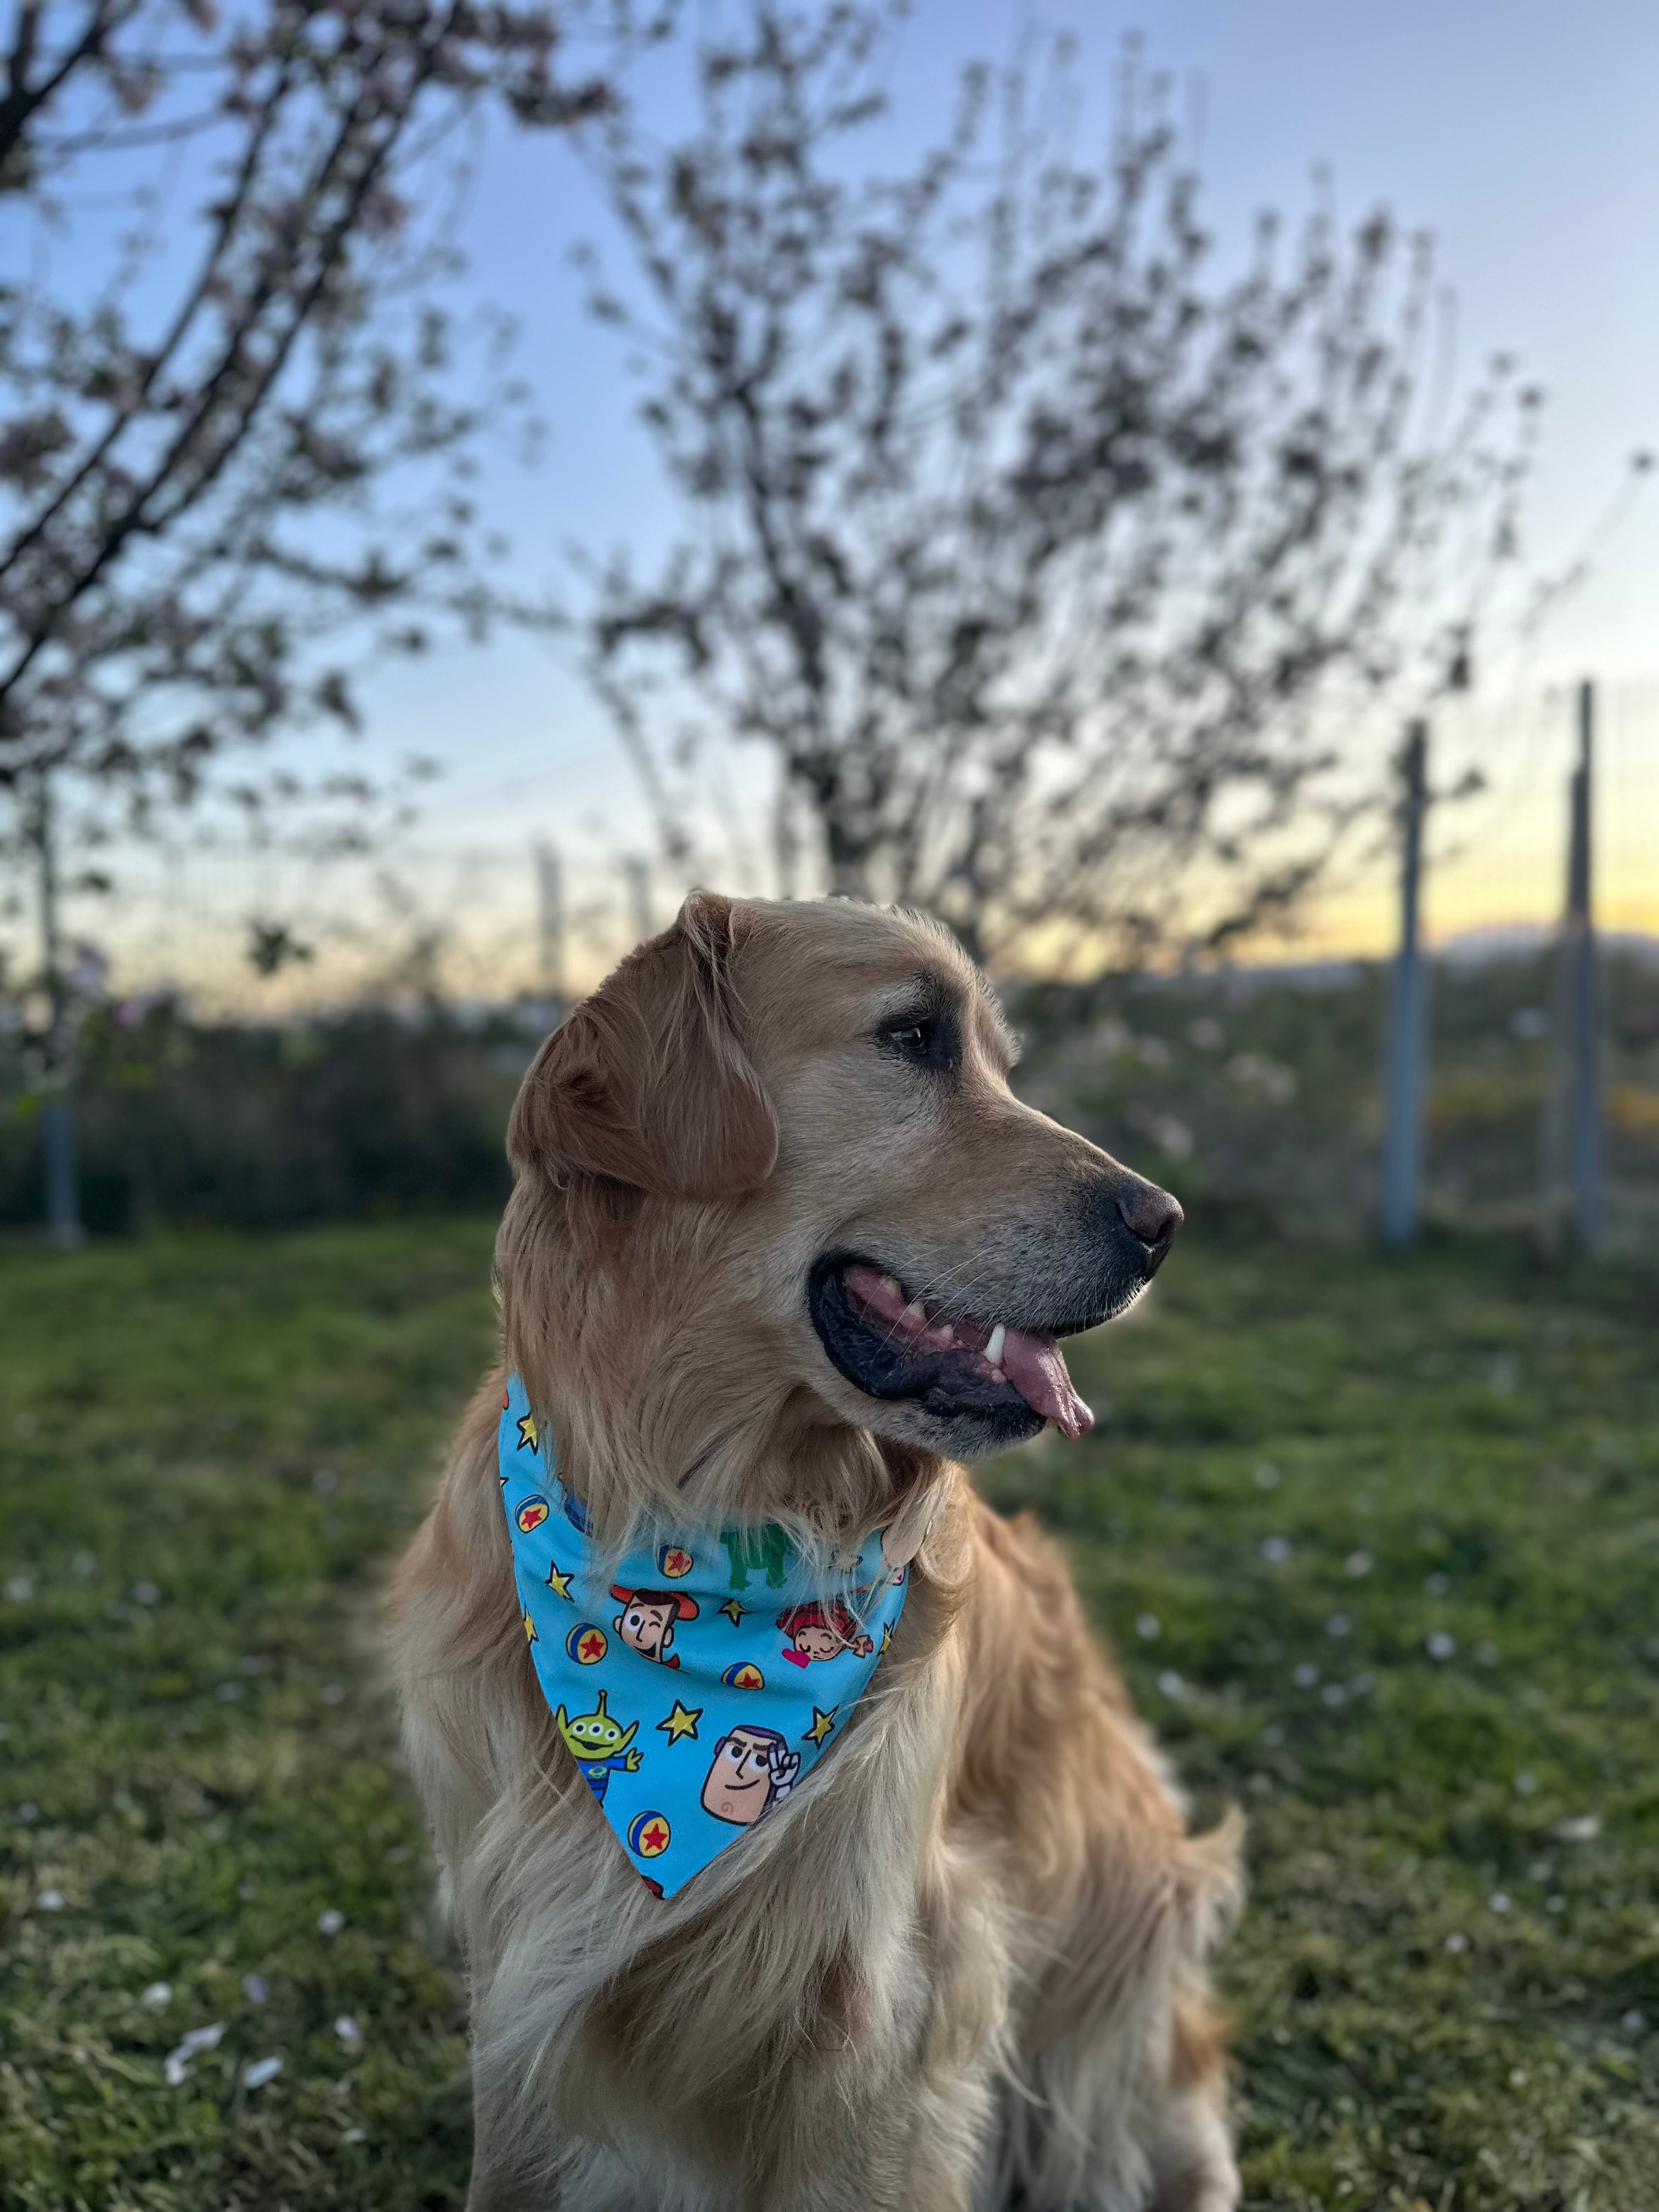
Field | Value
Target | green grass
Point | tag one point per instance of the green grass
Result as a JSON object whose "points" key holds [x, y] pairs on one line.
{"points": [[211, 1446]]}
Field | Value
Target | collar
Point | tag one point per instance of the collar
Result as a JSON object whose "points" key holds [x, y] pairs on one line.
{"points": [[702, 1678]]}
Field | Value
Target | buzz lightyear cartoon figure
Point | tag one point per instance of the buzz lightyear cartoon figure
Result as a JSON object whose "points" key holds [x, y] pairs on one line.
{"points": [[751, 1769], [600, 1746], [647, 1617], [822, 1629]]}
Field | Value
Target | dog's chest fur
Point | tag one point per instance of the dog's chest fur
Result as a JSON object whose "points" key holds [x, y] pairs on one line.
{"points": [[842, 2009]]}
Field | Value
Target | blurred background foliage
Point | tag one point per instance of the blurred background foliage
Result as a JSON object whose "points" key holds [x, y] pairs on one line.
{"points": [[1255, 1094]]}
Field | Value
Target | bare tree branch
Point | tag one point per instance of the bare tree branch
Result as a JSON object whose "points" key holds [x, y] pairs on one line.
{"points": [[1044, 559], [199, 485]]}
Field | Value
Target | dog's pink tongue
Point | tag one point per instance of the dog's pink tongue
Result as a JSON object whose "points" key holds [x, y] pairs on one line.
{"points": [[1036, 1365]]}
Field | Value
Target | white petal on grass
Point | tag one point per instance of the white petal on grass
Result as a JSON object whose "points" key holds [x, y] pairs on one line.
{"points": [[1334, 1694], [50, 1900], [1148, 1627], [1265, 1475], [1440, 1646], [156, 1995], [20, 1588], [1339, 1625], [1526, 1783], [330, 1922], [146, 1593], [1498, 1901], [1634, 2022], [1172, 1684], [1457, 1941], [353, 2134], [1357, 1563], [190, 2046], [1275, 1550], [347, 2029], [255, 1988], [1581, 1828], [1306, 1676], [258, 2071], [334, 1694]]}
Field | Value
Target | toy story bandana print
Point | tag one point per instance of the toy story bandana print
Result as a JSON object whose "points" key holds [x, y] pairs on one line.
{"points": [[703, 1678]]}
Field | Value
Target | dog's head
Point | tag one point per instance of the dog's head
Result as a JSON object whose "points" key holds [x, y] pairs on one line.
{"points": [[781, 1144]]}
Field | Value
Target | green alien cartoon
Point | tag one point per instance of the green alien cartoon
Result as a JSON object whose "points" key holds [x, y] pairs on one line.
{"points": [[600, 1746]]}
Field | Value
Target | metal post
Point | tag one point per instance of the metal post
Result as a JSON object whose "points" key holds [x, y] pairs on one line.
{"points": [[550, 909], [639, 893], [1402, 1162], [786, 839], [1584, 1030], [63, 1225]]}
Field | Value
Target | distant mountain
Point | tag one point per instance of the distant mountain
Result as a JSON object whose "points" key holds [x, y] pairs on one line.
{"points": [[1523, 940]]}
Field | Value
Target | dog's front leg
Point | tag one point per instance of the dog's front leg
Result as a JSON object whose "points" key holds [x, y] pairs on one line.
{"points": [[495, 2189], [500, 2181], [897, 2145]]}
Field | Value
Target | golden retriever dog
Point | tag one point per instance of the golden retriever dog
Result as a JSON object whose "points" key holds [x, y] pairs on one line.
{"points": [[783, 1247]]}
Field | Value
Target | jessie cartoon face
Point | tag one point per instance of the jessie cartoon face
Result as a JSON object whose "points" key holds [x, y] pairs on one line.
{"points": [[647, 1617], [821, 1632], [752, 1768]]}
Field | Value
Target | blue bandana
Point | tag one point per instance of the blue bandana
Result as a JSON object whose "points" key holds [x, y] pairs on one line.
{"points": [[703, 1681]]}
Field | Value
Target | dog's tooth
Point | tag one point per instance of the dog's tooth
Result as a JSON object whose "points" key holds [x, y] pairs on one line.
{"points": [[993, 1344], [943, 1330], [889, 1283], [916, 1314]]}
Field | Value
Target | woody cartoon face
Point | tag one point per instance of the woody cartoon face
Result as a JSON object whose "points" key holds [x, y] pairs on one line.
{"points": [[648, 1626], [646, 1620], [746, 1763]]}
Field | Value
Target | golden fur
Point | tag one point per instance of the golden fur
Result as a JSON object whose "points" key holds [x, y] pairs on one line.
{"points": [[965, 1967]]}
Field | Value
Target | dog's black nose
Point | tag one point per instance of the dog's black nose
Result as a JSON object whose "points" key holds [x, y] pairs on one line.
{"points": [[1151, 1216]]}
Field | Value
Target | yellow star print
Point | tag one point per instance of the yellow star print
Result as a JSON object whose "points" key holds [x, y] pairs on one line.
{"points": [[821, 1724], [561, 1584], [528, 1434], [529, 1634], [682, 1722], [733, 1611]]}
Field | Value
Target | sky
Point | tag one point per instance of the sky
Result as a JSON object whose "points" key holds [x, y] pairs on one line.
{"points": [[1520, 134]]}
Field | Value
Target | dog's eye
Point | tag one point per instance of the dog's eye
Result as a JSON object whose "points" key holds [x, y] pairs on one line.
{"points": [[928, 1040]]}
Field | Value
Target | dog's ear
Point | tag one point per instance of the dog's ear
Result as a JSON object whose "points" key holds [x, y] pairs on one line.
{"points": [[646, 1082]]}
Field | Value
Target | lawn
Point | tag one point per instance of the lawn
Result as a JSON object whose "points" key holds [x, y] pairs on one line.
{"points": [[1378, 1543]]}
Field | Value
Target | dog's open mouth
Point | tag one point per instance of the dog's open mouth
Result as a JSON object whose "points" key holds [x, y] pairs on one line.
{"points": [[891, 1344]]}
